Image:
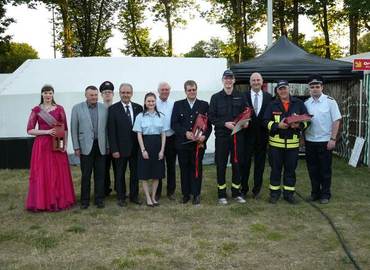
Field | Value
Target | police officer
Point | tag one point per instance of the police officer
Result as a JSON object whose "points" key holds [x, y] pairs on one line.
{"points": [[106, 89], [191, 154], [320, 139], [283, 141], [224, 107]]}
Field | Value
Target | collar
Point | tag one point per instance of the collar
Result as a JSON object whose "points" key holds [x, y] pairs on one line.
{"points": [[124, 104], [320, 99], [191, 102], [259, 93], [150, 113], [224, 92], [90, 106]]}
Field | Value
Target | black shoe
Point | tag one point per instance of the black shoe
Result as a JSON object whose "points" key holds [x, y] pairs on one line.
{"points": [[121, 203], [157, 197], [171, 197], [291, 200], [84, 206], [185, 199], [136, 201], [196, 200], [273, 200], [324, 201], [149, 204], [156, 204], [100, 205]]}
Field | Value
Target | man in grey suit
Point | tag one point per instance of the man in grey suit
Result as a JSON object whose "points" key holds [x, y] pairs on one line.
{"points": [[89, 138]]}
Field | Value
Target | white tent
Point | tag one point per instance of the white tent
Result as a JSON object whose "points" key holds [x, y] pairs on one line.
{"points": [[20, 91], [3, 76]]}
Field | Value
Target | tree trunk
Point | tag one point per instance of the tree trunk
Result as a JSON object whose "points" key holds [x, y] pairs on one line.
{"points": [[281, 15], [167, 8], [295, 35], [325, 29], [353, 32], [238, 29], [67, 29]]}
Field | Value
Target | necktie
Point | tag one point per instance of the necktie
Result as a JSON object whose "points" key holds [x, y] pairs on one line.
{"points": [[255, 104], [128, 113]]}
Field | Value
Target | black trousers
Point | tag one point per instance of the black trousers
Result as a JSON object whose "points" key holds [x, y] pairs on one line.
{"points": [[94, 161], [191, 170], [287, 160], [107, 182], [225, 147], [319, 160], [253, 148], [170, 153], [121, 165]]}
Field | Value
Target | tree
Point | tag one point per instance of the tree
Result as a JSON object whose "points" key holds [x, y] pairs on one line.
{"points": [[171, 12], [357, 14], [317, 46], [4, 23], [242, 18], [92, 22], [324, 15], [15, 56], [364, 43]]}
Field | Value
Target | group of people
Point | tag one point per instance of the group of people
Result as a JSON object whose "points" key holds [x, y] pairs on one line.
{"points": [[148, 139]]}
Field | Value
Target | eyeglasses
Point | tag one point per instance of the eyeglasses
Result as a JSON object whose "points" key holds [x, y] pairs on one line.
{"points": [[191, 90], [315, 86]]}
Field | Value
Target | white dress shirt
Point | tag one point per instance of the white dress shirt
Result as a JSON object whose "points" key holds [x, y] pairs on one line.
{"points": [[166, 108], [259, 98], [191, 103], [325, 111], [131, 110]]}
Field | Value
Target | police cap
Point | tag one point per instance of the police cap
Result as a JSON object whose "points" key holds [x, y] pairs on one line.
{"points": [[107, 85], [315, 79]]}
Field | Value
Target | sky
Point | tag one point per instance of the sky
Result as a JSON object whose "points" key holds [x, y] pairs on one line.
{"points": [[35, 28]]}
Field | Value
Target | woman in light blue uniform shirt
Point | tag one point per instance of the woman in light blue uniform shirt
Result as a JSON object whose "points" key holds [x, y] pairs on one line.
{"points": [[150, 129]]}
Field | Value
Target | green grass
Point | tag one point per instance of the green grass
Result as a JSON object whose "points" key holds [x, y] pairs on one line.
{"points": [[257, 235]]}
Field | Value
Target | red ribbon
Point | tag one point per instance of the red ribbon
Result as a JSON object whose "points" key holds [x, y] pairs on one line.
{"points": [[196, 160], [235, 148]]}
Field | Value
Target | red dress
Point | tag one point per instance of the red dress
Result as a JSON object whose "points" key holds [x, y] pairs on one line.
{"points": [[50, 183]]}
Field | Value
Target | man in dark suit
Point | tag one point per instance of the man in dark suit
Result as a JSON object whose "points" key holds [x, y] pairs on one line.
{"points": [[190, 148], [256, 136], [123, 143]]}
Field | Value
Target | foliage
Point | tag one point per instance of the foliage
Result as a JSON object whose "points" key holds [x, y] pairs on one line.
{"points": [[16, 54], [317, 46], [171, 12], [242, 18], [135, 35], [217, 48], [4, 23], [364, 43]]}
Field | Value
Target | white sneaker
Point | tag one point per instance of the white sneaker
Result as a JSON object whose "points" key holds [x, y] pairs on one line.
{"points": [[240, 199], [222, 201]]}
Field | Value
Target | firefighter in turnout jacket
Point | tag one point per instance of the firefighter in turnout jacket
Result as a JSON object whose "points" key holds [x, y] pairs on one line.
{"points": [[283, 141]]}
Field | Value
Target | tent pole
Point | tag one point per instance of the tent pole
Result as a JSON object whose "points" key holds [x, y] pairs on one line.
{"points": [[360, 111], [269, 23]]}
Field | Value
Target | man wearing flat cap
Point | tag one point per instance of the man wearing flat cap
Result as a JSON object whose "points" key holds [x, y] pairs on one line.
{"points": [[320, 138], [283, 142], [106, 89], [224, 107]]}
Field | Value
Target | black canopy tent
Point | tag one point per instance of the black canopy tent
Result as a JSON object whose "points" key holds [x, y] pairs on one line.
{"points": [[285, 60]]}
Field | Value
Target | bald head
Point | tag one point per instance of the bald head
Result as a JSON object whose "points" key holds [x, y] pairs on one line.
{"points": [[256, 81]]}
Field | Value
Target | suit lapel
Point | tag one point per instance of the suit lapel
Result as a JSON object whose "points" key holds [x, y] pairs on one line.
{"points": [[87, 113]]}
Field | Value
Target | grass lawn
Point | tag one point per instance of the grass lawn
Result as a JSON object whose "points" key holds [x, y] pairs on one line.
{"points": [[256, 235]]}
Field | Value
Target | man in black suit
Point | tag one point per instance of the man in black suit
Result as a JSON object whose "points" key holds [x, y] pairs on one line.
{"points": [[123, 143], [256, 136], [190, 148]]}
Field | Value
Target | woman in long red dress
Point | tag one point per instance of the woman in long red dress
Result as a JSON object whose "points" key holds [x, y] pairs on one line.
{"points": [[50, 183]]}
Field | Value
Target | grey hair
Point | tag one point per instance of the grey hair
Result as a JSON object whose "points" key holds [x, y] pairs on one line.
{"points": [[164, 83], [126, 85]]}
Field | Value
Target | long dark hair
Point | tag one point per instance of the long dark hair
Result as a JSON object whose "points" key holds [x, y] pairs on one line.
{"points": [[47, 88], [150, 94]]}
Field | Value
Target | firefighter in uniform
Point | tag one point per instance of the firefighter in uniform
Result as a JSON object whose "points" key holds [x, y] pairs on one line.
{"points": [[320, 139], [224, 107], [190, 149], [283, 142]]}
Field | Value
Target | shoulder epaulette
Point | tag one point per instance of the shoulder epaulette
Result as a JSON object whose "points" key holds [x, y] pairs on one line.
{"points": [[329, 97]]}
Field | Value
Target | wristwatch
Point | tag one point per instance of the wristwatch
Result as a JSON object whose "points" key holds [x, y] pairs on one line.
{"points": [[333, 139], [142, 151]]}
